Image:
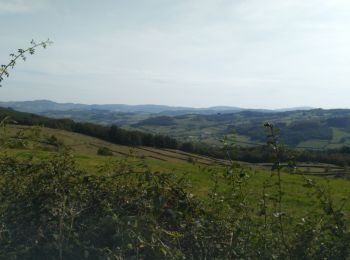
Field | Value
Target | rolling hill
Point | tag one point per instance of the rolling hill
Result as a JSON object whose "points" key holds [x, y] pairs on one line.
{"points": [[40, 106], [309, 129], [51, 173], [146, 134], [42, 143], [300, 127]]}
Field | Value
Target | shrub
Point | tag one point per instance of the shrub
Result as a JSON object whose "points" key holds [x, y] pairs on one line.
{"points": [[54, 210], [55, 142], [104, 151]]}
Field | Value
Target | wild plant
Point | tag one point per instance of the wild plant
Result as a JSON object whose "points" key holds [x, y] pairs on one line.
{"points": [[21, 54]]}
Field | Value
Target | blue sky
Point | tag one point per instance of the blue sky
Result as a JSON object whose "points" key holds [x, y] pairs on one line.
{"points": [[247, 53]]}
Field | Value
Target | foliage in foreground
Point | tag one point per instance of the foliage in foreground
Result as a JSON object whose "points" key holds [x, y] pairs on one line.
{"points": [[53, 210]]}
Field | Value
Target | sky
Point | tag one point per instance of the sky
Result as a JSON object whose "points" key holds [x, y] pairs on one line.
{"points": [[199, 53]]}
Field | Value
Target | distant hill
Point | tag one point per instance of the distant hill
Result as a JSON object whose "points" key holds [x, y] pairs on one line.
{"points": [[300, 127], [315, 128], [112, 133], [39, 106], [199, 134]]}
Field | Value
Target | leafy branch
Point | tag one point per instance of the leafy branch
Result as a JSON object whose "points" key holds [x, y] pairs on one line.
{"points": [[277, 148], [21, 54]]}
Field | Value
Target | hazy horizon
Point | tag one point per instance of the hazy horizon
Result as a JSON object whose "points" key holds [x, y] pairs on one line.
{"points": [[250, 54], [157, 104]]}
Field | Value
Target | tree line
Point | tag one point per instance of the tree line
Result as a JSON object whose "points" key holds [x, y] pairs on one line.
{"points": [[263, 153], [112, 134]]}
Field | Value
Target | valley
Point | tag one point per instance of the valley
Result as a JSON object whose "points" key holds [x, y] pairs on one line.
{"points": [[62, 164], [37, 144], [304, 129]]}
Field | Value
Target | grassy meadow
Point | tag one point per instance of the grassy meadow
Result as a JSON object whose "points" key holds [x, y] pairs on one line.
{"points": [[200, 171]]}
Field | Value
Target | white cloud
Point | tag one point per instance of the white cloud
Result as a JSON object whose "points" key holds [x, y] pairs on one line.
{"points": [[20, 6]]}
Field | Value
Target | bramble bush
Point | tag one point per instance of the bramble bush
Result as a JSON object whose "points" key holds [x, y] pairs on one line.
{"points": [[54, 210]]}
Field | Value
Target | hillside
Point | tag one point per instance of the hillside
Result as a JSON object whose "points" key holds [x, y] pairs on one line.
{"points": [[52, 140], [134, 187], [308, 129], [85, 147], [249, 150], [41, 142]]}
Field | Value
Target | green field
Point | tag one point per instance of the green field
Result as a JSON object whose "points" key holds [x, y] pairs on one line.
{"points": [[61, 197], [199, 170]]}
